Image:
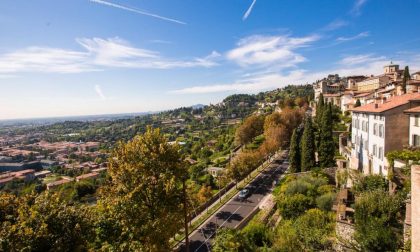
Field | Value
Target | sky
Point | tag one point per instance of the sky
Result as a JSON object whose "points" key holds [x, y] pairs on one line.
{"points": [[85, 57]]}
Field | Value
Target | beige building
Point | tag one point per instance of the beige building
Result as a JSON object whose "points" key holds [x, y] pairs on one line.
{"points": [[373, 83]]}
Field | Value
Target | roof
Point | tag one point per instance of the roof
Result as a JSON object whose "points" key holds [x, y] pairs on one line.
{"points": [[414, 110], [88, 175], [393, 102], [58, 182], [362, 95], [331, 95]]}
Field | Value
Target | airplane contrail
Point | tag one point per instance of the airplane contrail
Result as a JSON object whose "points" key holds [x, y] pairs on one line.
{"points": [[137, 11], [249, 10]]}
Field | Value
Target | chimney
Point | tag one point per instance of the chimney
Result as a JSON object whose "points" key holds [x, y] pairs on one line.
{"points": [[383, 100], [376, 105]]}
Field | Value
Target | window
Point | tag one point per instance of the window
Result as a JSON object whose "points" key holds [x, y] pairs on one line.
{"points": [[380, 169], [374, 150], [381, 153], [366, 145], [363, 125], [375, 128], [416, 140], [381, 130], [416, 120]]}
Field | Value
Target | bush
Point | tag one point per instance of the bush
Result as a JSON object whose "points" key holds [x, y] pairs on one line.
{"points": [[84, 188], [257, 234], [292, 206], [310, 232], [378, 225], [325, 201], [370, 183]]}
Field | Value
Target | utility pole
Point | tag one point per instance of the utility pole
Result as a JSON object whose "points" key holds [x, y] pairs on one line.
{"points": [[187, 242]]}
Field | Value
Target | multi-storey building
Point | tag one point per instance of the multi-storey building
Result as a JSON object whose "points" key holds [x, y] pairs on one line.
{"points": [[378, 128], [414, 128], [372, 83]]}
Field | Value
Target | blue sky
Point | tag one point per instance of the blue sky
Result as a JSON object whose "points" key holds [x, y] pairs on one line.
{"points": [[83, 57]]}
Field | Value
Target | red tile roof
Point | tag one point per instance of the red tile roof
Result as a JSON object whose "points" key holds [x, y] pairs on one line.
{"points": [[413, 110], [394, 102]]}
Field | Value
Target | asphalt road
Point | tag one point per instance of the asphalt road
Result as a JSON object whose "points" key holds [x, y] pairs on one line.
{"points": [[235, 210]]}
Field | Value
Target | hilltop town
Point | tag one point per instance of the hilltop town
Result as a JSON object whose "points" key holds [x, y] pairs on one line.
{"points": [[372, 120]]}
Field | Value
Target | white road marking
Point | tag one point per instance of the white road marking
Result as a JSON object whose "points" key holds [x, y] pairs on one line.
{"points": [[205, 242]]}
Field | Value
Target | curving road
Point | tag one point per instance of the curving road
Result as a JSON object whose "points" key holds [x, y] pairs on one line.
{"points": [[234, 211]]}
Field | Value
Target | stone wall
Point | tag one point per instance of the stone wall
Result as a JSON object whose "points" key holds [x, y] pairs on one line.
{"points": [[344, 232]]}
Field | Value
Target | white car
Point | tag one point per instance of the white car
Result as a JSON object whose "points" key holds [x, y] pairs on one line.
{"points": [[243, 194]]}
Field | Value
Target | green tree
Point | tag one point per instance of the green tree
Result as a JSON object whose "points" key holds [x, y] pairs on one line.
{"points": [[230, 240], [308, 146], [144, 195], [406, 78], [311, 231], [378, 221], [358, 104], [293, 206], [257, 233], [44, 223], [326, 150], [319, 108], [294, 155]]}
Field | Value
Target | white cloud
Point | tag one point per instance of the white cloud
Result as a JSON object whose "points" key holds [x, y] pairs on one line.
{"points": [[255, 83], [98, 53], [99, 92], [360, 59], [349, 65], [141, 12], [248, 12], [358, 36], [334, 25], [358, 4], [270, 50], [42, 59]]}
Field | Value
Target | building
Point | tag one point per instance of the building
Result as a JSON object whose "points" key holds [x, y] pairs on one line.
{"points": [[215, 171], [416, 76], [42, 174], [352, 80], [372, 83], [378, 128], [334, 99], [57, 183], [47, 164], [414, 126], [91, 175]]}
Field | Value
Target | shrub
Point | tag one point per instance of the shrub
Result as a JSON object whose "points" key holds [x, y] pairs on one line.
{"points": [[292, 206], [325, 201]]}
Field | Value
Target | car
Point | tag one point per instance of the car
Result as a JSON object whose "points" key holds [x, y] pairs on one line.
{"points": [[243, 194]]}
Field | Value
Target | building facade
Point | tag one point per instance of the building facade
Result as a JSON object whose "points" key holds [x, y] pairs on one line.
{"points": [[378, 128]]}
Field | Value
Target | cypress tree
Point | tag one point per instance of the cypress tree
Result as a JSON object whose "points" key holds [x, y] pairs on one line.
{"points": [[406, 77], [326, 150], [294, 155], [358, 104], [319, 108], [308, 146]]}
